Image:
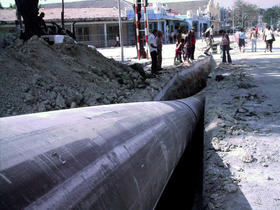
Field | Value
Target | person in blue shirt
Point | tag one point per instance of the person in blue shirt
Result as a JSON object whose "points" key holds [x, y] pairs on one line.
{"points": [[241, 43]]}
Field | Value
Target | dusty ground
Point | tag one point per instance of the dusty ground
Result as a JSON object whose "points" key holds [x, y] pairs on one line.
{"points": [[242, 132], [37, 77]]}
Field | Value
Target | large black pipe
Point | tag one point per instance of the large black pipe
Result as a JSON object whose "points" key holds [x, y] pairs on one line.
{"points": [[106, 157]]}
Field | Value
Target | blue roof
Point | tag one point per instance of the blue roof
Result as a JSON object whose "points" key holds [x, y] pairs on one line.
{"points": [[160, 16]]}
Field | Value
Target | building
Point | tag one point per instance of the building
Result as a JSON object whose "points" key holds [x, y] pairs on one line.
{"points": [[193, 13], [184, 7], [214, 13], [92, 4], [226, 20], [95, 26], [96, 22]]}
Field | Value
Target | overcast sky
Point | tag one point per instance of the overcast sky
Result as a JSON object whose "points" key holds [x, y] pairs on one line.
{"points": [[224, 3]]}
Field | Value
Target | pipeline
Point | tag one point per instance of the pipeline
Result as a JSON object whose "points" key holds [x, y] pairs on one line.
{"points": [[105, 157], [187, 82]]}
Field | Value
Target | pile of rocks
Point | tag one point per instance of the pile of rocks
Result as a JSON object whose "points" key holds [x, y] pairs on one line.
{"points": [[36, 77]]}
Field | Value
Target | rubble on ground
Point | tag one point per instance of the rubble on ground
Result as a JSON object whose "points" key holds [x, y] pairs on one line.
{"points": [[37, 77], [234, 116]]}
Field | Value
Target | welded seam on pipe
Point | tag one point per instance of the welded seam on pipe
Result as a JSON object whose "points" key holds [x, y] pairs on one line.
{"points": [[196, 117]]}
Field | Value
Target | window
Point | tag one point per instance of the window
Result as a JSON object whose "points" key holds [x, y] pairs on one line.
{"points": [[112, 31], [83, 33]]}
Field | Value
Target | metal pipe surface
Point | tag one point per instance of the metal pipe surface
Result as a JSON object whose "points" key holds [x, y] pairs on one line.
{"points": [[105, 157]]}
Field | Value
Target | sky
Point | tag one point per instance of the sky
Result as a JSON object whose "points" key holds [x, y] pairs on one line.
{"points": [[224, 3]]}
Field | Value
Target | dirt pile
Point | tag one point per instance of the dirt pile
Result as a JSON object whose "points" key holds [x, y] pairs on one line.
{"points": [[36, 77]]}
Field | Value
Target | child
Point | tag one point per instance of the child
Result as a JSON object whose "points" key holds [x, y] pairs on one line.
{"points": [[178, 51]]}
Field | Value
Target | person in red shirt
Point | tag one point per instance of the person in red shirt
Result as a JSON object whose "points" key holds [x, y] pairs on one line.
{"points": [[193, 41], [179, 51], [257, 29]]}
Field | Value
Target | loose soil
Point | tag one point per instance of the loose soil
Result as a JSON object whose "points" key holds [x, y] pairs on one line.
{"points": [[37, 77], [242, 148]]}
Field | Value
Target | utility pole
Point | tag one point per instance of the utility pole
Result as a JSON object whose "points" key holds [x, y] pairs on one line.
{"points": [[138, 8], [120, 30], [233, 20], [62, 15], [242, 18]]}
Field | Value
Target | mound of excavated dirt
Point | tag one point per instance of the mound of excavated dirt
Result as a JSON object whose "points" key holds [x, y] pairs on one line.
{"points": [[36, 77]]}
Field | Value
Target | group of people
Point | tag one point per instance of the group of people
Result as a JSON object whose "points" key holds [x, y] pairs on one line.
{"points": [[268, 37], [240, 36], [185, 46]]}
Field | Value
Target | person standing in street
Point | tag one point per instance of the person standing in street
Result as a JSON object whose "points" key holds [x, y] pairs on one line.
{"points": [[241, 43], [208, 34], [269, 38], [159, 50], [153, 50], [254, 37], [188, 48], [226, 47], [117, 41], [236, 38], [264, 39], [179, 37], [179, 51], [193, 41]]}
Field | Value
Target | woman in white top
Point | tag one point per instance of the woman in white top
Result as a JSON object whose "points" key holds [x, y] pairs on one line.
{"points": [[269, 38]]}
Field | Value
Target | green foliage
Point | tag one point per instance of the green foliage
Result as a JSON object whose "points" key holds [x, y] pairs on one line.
{"points": [[1, 7], [272, 16], [245, 14], [12, 6]]}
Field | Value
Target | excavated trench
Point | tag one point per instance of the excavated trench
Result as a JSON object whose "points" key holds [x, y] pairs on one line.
{"points": [[187, 82], [185, 186]]}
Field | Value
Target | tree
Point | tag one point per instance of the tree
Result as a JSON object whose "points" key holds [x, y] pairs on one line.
{"points": [[1, 7], [12, 6], [272, 16], [245, 14]]}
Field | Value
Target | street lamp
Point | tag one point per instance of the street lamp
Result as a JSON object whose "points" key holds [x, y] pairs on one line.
{"points": [[62, 14], [243, 20], [120, 31]]}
